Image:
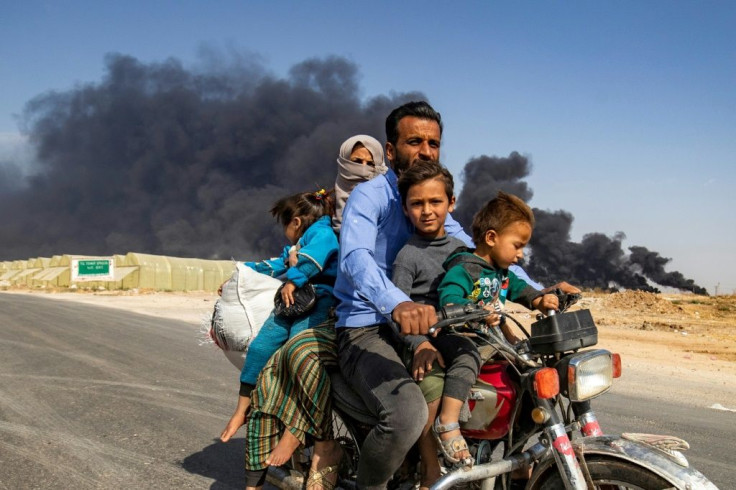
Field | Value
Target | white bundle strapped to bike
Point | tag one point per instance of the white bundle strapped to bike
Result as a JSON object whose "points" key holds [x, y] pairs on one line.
{"points": [[245, 304]]}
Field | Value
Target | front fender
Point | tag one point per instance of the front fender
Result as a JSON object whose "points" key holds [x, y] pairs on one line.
{"points": [[615, 447]]}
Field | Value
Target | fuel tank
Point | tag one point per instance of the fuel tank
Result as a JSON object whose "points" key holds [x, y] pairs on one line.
{"points": [[491, 403]]}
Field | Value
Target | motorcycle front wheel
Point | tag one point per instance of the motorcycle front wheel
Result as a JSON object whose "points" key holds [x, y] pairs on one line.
{"points": [[610, 474]]}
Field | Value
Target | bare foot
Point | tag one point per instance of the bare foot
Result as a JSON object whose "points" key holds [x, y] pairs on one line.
{"points": [[237, 420], [283, 450]]}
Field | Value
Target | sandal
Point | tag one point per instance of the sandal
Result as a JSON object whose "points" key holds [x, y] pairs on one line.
{"points": [[451, 447], [319, 477]]}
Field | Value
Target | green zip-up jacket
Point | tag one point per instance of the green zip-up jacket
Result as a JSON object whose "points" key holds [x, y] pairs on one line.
{"points": [[470, 279]]}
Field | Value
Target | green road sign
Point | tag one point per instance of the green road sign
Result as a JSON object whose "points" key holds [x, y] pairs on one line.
{"points": [[97, 269]]}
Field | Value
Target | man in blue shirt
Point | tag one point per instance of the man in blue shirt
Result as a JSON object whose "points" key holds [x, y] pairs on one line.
{"points": [[374, 230]]}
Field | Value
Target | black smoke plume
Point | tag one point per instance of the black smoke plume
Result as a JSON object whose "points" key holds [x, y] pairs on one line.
{"points": [[652, 266], [485, 176], [161, 159], [598, 261]]}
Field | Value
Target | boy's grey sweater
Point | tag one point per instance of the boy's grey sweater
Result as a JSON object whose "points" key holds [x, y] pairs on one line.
{"points": [[418, 271]]}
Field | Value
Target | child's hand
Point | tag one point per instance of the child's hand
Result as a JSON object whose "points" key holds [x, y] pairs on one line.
{"points": [[287, 293], [424, 357], [494, 319], [546, 303], [293, 259]]}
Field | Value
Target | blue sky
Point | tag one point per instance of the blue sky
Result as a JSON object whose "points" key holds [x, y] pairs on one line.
{"points": [[627, 109]]}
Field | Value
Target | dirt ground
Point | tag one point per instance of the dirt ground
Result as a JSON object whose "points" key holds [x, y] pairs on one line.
{"points": [[672, 345]]}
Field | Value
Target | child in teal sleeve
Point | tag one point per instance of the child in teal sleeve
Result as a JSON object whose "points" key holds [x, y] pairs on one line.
{"points": [[306, 218], [310, 258]]}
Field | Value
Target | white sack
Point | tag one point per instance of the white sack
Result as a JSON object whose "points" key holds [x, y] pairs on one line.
{"points": [[245, 304]]}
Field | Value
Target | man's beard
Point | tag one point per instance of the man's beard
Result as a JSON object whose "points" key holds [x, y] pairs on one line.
{"points": [[401, 163]]}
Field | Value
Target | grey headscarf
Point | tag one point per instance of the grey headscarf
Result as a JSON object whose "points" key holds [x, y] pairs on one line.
{"points": [[350, 174]]}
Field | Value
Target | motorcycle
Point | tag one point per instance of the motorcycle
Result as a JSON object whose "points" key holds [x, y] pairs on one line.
{"points": [[530, 410]]}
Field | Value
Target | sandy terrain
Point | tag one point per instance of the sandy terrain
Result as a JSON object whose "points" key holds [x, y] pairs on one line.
{"points": [[673, 347]]}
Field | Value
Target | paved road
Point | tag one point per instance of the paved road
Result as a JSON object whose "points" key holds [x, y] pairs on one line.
{"points": [[710, 433], [99, 398]]}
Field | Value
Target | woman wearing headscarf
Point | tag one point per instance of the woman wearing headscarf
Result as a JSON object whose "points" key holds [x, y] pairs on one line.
{"points": [[360, 159]]}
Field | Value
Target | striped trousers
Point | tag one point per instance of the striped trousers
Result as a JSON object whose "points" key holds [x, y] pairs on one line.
{"points": [[293, 393]]}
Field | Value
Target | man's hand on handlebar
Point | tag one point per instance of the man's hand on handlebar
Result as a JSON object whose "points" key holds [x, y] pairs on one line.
{"points": [[563, 286], [414, 318]]}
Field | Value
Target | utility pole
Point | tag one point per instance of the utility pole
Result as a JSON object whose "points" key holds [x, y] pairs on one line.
{"points": [[717, 286]]}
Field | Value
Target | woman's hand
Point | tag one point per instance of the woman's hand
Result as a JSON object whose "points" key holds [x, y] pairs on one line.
{"points": [[424, 357], [287, 293]]}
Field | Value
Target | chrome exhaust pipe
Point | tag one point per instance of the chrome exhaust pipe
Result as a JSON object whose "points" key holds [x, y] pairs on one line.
{"points": [[490, 470]]}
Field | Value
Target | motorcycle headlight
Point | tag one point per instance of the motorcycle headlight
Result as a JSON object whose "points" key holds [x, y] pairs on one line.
{"points": [[589, 374]]}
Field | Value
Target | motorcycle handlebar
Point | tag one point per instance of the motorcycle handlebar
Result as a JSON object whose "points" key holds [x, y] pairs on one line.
{"points": [[459, 314]]}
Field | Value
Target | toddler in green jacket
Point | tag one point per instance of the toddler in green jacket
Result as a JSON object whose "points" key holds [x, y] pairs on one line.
{"points": [[501, 230]]}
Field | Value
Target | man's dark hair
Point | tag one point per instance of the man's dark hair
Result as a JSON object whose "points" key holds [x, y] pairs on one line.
{"points": [[420, 109], [498, 214], [423, 171]]}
